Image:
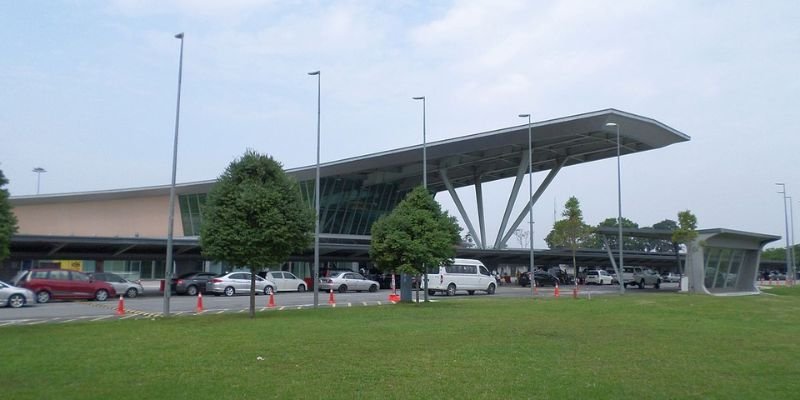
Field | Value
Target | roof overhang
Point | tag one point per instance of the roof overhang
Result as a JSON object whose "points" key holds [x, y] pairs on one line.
{"points": [[489, 155]]}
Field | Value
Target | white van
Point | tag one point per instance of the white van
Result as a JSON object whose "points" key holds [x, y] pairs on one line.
{"points": [[463, 274]]}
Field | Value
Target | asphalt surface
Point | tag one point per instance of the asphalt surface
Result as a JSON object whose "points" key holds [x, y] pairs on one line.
{"points": [[151, 304]]}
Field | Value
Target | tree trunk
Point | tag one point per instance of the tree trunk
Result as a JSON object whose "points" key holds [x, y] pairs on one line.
{"points": [[252, 293]]}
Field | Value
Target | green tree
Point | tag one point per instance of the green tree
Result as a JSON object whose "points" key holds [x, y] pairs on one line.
{"points": [[254, 217], [8, 221], [630, 243], [416, 233], [686, 232], [661, 245], [570, 232]]}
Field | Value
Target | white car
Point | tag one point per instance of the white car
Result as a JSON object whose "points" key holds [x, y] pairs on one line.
{"points": [[237, 282], [598, 277], [286, 281], [15, 297]]}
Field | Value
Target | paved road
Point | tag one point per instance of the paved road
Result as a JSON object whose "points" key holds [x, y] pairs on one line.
{"points": [[151, 304]]}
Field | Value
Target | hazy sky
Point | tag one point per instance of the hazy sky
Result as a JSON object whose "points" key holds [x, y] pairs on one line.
{"points": [[88, 92]]}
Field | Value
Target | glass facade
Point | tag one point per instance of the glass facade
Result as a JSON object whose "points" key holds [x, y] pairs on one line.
{"points": [[723, 267], [191, 216], [347, 206]]}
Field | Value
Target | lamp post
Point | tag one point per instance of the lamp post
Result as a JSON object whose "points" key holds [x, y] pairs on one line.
{"points": [[786, 221], [38, 171], [794, 258], [316, 196], [619, 206], [168, 266], [531, 267], [424, 180]]}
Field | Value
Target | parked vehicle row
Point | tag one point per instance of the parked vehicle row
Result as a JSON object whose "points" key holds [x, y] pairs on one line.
{"points": [[541, 279]]}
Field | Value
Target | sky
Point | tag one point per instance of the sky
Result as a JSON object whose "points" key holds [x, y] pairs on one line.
{"points": [[89, 93]]}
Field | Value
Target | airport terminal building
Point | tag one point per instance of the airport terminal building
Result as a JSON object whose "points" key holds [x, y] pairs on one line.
{"points": [[125, 230]]}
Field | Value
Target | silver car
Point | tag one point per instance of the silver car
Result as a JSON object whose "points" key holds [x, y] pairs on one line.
{"points": [[346, 280], [121, 285], [15, 297], [238, 282]]}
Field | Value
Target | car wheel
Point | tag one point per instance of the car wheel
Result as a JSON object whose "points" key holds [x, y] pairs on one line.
{"points": [[131, 293], [43, 296], [16, 301], [641, 284], [658, 284], [470, 292], [625, 285], [229, 291], [191, 290], [101, 295], [491, 289], [268, 289], [301, 288], [538, 283], [373, 288], [342, 288], [431, 292], [451, 289]]}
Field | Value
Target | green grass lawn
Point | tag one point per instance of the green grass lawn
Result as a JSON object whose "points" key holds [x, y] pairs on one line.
{"points": [[666, 346]]}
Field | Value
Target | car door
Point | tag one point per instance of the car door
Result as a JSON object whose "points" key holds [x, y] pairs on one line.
{"points": [[60, 284], [277, 277], [237, 281], [485, 277], [355, 281]]}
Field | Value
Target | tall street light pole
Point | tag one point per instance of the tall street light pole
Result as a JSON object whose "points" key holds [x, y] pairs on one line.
{"points": [[531, 267], [786, 221], [794, 258], [168, 266], [38, 171], [619, 206], [424, 178], [316, 195]]}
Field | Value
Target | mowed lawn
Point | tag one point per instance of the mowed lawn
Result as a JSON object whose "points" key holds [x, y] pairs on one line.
{"points": [[638, 346]]}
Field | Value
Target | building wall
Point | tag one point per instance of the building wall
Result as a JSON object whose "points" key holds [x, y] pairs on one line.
{"points": [[140, 216]]}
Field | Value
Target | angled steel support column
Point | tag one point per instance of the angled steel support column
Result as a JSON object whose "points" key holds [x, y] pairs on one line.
{"points": [[523, 167], [539, 191], [479, 197], [454, 195]]}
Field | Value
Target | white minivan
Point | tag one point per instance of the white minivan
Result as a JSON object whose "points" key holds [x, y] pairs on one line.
{"points": [[462, 274]]}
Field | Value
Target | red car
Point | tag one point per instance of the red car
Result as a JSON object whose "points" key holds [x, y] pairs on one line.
{"points": [[50, 284]]}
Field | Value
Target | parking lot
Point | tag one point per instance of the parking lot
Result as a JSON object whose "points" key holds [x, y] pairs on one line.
{"points": [[150, 305]]}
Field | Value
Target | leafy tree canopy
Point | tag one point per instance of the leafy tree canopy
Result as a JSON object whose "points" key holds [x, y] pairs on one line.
{"points": [[254, 215], [570, 232], [630, 243], [687, 228], [8, 221], [416, 233]]}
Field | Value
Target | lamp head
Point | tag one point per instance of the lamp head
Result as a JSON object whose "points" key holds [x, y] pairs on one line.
{"points": [[314, 73], [611, 124], [419, 98], [179, 36], [524, 115], [39, 170]]}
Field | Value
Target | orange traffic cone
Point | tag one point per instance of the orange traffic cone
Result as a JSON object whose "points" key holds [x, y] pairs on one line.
{"points": [[199, 302], [331, 299], [121, 306], [557, 292], [271, 303]]}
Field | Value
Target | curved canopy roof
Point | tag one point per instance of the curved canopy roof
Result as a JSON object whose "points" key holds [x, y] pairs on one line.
{"points": [[491, 155]]}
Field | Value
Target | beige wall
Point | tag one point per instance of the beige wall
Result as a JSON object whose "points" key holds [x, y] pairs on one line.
{"points": [[142, 216]]}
